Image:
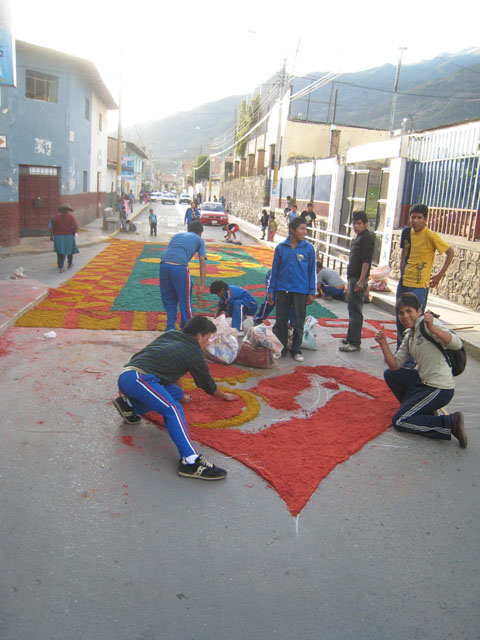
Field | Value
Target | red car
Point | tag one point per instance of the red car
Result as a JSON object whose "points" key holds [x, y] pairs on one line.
{"points": [[213, 213]]}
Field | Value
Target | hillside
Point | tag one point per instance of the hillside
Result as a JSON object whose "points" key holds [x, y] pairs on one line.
{"points": [[434, 92]]}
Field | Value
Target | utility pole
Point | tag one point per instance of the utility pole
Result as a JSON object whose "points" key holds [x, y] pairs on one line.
{"points": [[395, 91], [279, 131], [119, 149]]}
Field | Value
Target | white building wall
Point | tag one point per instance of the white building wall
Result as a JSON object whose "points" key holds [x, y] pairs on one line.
{"points": [[98, 146]]}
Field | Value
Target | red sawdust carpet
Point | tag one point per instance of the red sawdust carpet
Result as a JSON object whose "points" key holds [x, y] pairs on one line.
{"points": [[294, 455]]}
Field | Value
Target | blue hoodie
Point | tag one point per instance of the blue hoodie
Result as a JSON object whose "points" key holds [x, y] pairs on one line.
{"points": [[294, 270]]}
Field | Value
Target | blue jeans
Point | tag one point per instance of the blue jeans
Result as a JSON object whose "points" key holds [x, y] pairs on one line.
{"points": [[355, 312], [418, 404], [337, 293], [422, 295]]}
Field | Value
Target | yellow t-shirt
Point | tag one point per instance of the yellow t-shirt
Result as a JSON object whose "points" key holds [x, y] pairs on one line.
{"points": [[422, 253]]}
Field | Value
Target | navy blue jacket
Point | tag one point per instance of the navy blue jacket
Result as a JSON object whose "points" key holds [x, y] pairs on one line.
{"points": [[294, 270]]}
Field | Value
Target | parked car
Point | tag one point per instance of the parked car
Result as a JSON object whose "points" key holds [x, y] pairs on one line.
{"points": [[213, 213], [168, 198], [155, 196], [184, 198]]}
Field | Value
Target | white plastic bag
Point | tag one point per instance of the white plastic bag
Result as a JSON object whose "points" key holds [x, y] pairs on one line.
{"points": [[311, 334], [263, 336], [222, 346]]}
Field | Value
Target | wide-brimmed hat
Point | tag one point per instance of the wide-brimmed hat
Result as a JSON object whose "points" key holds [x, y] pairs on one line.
{"points": [[66, 206]]}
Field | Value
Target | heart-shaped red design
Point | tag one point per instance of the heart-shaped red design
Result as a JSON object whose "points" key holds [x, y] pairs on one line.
{"points": [[295, 455]]}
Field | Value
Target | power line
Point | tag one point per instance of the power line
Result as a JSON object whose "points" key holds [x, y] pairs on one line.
{"points": [[455, 64]]}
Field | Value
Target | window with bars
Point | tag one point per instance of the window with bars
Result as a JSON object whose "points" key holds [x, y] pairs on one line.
{"points": [[41, 86]]}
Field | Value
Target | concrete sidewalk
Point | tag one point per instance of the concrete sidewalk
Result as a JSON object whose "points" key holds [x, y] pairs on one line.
{"points": [[87, 236]]}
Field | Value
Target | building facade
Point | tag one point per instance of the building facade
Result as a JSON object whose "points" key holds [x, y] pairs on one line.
{"points": [[54, 126]]}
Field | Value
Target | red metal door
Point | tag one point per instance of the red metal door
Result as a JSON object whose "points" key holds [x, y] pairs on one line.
{"points": [[38, 198]]}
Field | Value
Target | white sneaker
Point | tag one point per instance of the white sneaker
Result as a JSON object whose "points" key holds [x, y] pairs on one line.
{"points": [[237, 333], [298, 357]]}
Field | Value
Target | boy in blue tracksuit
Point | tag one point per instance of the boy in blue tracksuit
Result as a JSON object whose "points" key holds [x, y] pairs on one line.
{"points": [[175, 280], [294, 281], [234, 301]]}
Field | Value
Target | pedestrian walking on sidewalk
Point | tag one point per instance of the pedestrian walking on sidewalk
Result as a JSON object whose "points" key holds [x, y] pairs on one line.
{"points": [[63, 230], [149, 382]]}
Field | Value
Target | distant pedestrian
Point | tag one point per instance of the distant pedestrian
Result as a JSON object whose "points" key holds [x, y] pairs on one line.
{"points": [[222, 200], [152, 218], [309, 215], [264, 222], [293, 213], [191, 214], [272, 227], [361, 253], [288, 208], [64, 227], [131, 200]]}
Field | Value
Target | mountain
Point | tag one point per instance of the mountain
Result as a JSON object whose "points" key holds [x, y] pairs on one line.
{"points": [[185, 134], [431, 93], [425, 94]]}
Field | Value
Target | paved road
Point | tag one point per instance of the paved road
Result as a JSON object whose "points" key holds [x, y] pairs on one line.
{"points": [[100, 539]]}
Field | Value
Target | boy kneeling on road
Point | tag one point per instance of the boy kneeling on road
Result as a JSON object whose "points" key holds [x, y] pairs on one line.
{"points": [[430, 386]]}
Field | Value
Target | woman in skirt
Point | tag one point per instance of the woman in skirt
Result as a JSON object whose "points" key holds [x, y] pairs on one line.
{"points": [[64, 228]]}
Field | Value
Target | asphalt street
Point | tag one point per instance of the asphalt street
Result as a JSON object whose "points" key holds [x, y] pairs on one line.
{"points": [[100, 539]]}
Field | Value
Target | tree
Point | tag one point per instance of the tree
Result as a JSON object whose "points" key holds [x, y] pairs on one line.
{"points": [[248, 116], [201, 170]]}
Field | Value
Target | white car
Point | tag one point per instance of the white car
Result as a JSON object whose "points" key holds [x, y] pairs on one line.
{"points": [[168, 198], [155, 196], [184, 198]]}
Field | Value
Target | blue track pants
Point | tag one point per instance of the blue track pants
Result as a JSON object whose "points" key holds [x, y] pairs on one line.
{"points": [[147, 394], [176, 289]]}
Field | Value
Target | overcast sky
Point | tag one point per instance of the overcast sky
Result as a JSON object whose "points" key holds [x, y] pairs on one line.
{"points": [[174, 56]]}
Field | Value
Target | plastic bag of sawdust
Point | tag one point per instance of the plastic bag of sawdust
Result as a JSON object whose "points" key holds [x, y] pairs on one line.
{"points": [[263, 336], [222, 346], [378, 279], [311, 334], [257, 357]]}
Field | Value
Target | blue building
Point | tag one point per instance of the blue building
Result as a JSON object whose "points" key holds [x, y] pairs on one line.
{"points": [[53, 141]]}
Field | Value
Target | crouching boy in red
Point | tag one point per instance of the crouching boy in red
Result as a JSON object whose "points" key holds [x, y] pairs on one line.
{"points": [[429, 387]]}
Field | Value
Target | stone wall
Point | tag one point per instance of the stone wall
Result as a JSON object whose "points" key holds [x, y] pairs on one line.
{"points": [[245, 197], [461, 283]]}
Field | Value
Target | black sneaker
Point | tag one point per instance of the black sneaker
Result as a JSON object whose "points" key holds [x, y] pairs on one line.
{"points": [[125, 410], [344, 341], [458, 428], [201, 469]]}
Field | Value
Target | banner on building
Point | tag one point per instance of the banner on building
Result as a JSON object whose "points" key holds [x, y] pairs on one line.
{"points": [[128, 167], [7, 47]]}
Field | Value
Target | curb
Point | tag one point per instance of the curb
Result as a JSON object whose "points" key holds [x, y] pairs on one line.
{"points": [[80, 245]]}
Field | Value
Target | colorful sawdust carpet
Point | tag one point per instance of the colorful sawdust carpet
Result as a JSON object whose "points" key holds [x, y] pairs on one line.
{"points": [[300, 448], [119, 289]]}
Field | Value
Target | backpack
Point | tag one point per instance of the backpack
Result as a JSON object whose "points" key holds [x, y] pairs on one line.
{"points": [[456, 359]]}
